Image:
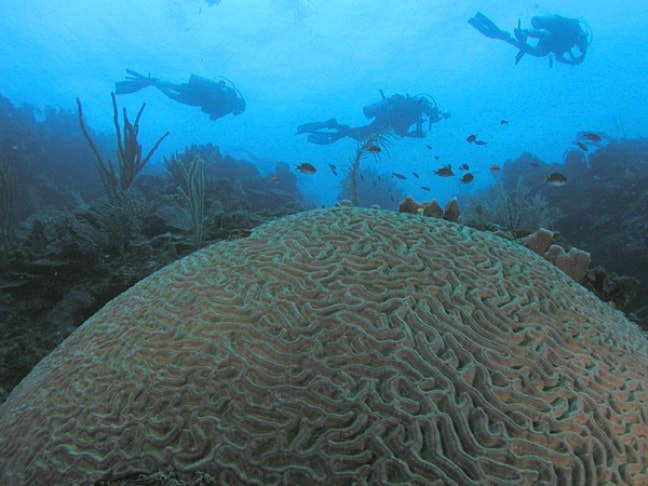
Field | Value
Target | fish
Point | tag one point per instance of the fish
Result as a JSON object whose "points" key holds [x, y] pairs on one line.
{"points": [[480, 142], [591, 136], [445, 171], [581, 146], [333, 169], [471, 138], [467, 178], [436, 157], [504, 122], [306, 168], [373, 149], [398, 176], [494, 168], [428, 147], [556, 179], [464, 167], [426, 188], [534, 164], [415, 175], [274, 180]]}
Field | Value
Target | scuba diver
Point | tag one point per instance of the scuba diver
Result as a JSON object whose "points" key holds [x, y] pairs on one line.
{"points": [[216, 98], [396, 113], [555, 36]]}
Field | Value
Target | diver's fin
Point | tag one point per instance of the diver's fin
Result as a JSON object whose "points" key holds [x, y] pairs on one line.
{"points": [[134, 82], [519, 56], [131, 86], [134, 74], [487, 27], [313, 126], [324, 138]]}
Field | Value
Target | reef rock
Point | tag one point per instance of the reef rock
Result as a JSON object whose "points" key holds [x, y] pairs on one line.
{"points": [[339, 346]]}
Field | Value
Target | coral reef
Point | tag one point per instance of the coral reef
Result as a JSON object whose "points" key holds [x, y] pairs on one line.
{"points": [[451, 212], [129, 152], [517, 209], [68, 251], [573, 262], [602, 208], [337, 346], [371, 147]]}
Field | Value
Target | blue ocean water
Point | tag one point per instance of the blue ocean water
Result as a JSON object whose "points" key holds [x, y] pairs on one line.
{"points": [[297, 61], [537, 143]]}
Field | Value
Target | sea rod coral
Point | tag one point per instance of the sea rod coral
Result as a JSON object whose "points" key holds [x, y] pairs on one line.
{"points": [[338, 346]]}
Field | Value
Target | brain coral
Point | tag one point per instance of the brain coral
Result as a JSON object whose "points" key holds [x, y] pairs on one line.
{"points": [[342, 346]]}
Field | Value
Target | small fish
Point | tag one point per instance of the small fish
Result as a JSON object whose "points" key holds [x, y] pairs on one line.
{"points": [[556, 179], [467, 178], [591, 136], [306, 168], [398, 176], [333, 169], [428, 147], [471, 138], [464, 167], [504, 122], [274, 180], [581, 146], [494, 168], [480, 142], [373, 149], [415, 175], [534, 164], [436, 157], [445, 171], [425, 188]]}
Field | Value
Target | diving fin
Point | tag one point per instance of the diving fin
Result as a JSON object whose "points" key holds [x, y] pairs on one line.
{"points": [[487, 27], [133, 83], [324, 138], [313, 126], [519, 56], [131, 86]]}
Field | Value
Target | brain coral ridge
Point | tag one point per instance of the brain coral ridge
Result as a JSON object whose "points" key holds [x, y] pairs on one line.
{"points": [[342, 346]]}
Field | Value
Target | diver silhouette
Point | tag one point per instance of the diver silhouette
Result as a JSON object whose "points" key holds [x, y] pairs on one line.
{"points": [[216, 98], [556, 36], [397, 114]]}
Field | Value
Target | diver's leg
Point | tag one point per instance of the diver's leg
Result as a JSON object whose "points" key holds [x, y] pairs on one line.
{"points": [[541, 48]]}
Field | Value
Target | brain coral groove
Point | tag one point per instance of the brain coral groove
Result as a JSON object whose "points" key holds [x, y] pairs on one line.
{"points": [[342, 346]]}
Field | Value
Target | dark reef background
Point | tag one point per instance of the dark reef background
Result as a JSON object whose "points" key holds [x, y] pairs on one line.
{"points": [[66, 249]]}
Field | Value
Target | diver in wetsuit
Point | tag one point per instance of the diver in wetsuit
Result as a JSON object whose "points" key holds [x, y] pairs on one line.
{"points": [[398, 114], [562, 38], [215, 98]]}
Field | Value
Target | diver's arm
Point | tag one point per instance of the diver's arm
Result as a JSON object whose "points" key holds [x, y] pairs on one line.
{"points": [[572, 60], [416, 133]]}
